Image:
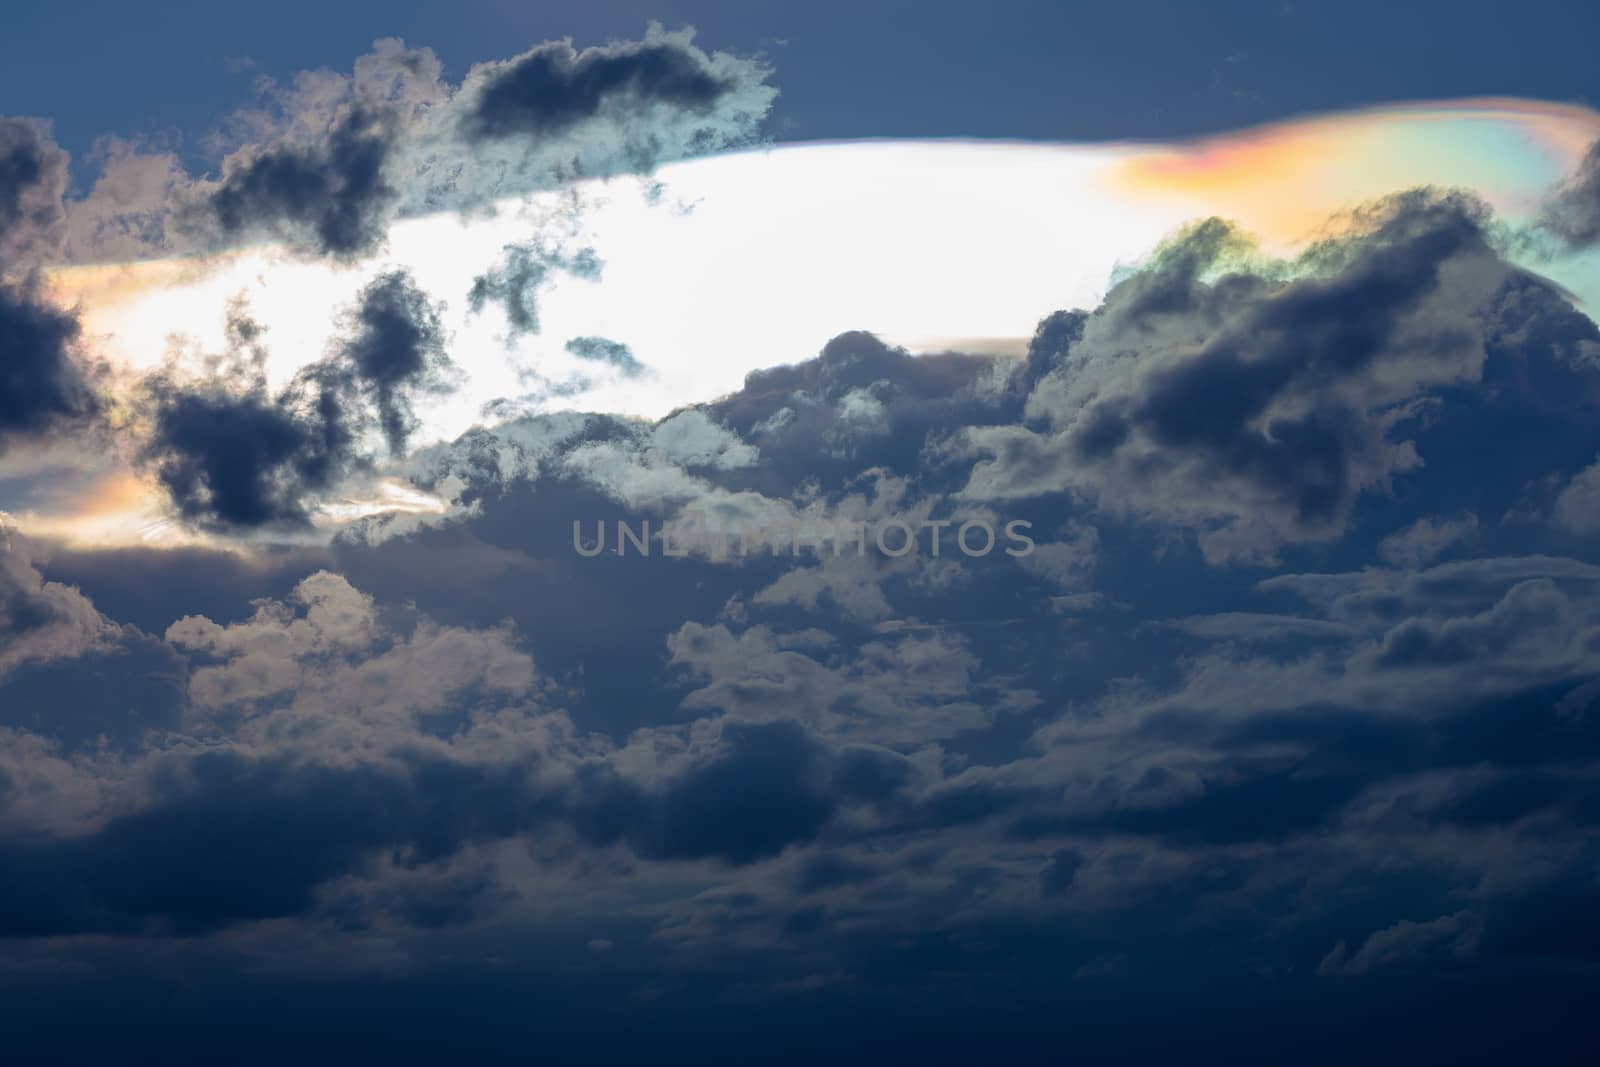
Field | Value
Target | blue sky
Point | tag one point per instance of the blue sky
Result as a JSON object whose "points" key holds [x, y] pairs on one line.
{"points": [[1048, 71]]}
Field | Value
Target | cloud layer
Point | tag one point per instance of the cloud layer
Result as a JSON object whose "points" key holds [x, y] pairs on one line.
{"points": [[1287, 696]]}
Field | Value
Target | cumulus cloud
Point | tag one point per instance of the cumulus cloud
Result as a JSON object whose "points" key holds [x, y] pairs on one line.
{"points": [[41, 620], [1578, 505], [553, 87], [1252, 409], [1124, 752]]}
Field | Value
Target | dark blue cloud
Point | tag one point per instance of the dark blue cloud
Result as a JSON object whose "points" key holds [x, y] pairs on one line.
{"points": [[554, 87], [332, 197], [1359, 750], [45, 385]]}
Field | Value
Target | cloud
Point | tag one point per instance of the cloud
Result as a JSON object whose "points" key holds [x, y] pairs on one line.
{"points": [[1406, 942], [611, 353], [33, 179], [328, 654], [331, 198], [1426, 539], [232, 454], [623, 107], [1251, 408], [1573, 213], [326, 163], [1578, 505], [523, 270], [47, 386], [1297, 652], [395, 346], [42, 621], [553, 88]]}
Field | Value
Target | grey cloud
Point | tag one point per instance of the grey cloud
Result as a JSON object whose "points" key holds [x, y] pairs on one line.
{"points": [[234, 458], [514, 283], [231, 454], [48, 385], [327, 163], [33, 179], [1426, 539], [395, 346], [554, 87], [1406, 942], [331, 198], [41, 620], [869, 774], [1573, 213], [1252, 408], [1578, 506], [611, 353]]}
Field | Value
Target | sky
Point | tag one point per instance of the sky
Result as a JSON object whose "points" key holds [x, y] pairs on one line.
{"points": [[936, 533]]}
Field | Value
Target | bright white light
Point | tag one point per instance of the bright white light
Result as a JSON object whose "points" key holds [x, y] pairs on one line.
{"points": [[730, 265]]}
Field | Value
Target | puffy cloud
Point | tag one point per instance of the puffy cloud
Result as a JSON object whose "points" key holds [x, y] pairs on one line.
{"points": [[553, 88], [1578, 506], [48, 384], [328, 655], [1253, 409], [621, 107], [330, 198], [42, 620]]}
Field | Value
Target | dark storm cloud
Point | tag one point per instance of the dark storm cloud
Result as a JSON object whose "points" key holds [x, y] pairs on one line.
{"points": [[781, 777], [45, 384], [332, 198], [395, 346], [1108, 767], [1573, 214], [235, 837], [554, 87], [33, 177]]}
